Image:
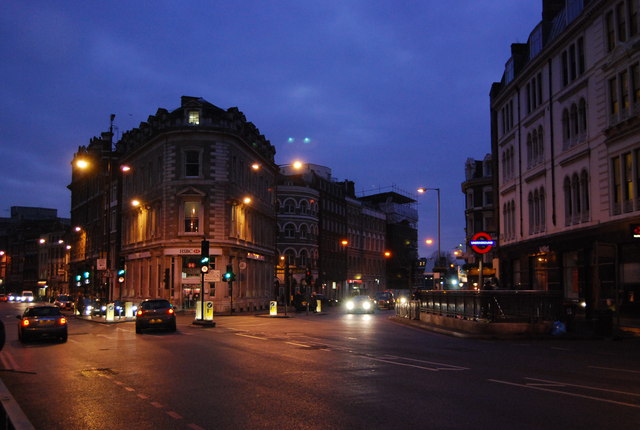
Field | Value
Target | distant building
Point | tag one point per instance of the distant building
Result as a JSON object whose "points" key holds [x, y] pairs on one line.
{"points": [[331, 242], [30, 257], [479, 214], [565, 143], [401, 237]]}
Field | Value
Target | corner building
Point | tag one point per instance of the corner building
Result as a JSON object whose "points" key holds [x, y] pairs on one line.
{"points": [[566, 147], [198, 172]]}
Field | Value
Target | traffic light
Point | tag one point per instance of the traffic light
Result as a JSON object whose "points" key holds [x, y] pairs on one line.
{"points": [[122, 271], [78, 280], [87, 277], [204, 256], [229, 276]]}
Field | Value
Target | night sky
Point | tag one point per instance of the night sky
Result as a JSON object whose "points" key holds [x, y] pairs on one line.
{"points": [[385, 93]]}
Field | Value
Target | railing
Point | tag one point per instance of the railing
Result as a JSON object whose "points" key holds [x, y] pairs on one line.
{"points": [[488, 306]]}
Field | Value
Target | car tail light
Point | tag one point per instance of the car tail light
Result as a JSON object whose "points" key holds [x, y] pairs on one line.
{"points": [[62, 321], [170, 311], [139, 313], [25, 322]]}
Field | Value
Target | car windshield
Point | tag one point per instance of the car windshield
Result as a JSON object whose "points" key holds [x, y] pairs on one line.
{"points": [[64, 298], [42, 312], [154, 304]]}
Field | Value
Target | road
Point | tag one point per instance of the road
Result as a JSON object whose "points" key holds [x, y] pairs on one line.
{"points": [[317, 371]]}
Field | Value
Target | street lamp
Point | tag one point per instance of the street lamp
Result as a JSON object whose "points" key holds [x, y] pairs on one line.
{"points": [[423, 190]]}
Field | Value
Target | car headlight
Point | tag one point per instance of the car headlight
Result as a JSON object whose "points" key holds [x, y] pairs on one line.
{"points": [[103, 308], [366, 305], [350, 305]]}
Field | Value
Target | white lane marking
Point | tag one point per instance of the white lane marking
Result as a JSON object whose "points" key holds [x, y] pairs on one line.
{"points": [[587, 387], [598, 399], [439, 366], [175, 415], [157, 405], [615, 369], [143, 396], [129, 388], [248, 335], [299, 344], [415, 366], [195, 426]]}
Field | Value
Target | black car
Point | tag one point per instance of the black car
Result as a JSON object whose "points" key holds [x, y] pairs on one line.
{"points": [[155, 313], [42, 321], [384, 300]]}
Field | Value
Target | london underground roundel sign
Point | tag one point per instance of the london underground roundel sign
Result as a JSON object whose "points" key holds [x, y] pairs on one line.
{"points": [[481, 242]]}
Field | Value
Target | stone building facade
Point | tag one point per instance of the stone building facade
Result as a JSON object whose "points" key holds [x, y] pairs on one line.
{"points": [[197, 172], [565, 142]]}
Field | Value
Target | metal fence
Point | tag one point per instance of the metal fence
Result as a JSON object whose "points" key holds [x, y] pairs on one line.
{"points": [[491, 306]]}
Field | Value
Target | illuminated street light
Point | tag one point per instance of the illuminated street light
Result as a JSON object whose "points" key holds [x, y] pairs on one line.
{"points": [[429, 242], [423, 190], [81, 163], [246, 200]]}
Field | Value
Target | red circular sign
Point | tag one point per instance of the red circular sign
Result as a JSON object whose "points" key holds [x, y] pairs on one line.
{"points": [[481, 242]]}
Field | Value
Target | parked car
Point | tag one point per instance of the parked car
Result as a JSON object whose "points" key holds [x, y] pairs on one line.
{"points": [[360, 304], [3, 298], [384, 300], [64, 301], [155, 313], [42, 321]]}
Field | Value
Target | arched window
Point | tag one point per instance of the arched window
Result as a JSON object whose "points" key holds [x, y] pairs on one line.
{"points": [[304, 258], [290, 257], [289, 206], [568, 207], [304, 231], [531, 213], [566, 129], [582, 115], [304, 207], [529, 150], [540, 145], [575, 191], [574, 120], [536, 211], [543, 209], [584, 187], [289, 231]]}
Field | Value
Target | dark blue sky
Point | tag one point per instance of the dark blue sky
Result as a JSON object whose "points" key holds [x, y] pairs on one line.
{"points": [[389, 93]]}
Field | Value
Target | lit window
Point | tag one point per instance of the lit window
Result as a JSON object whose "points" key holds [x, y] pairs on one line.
{"points": [[194, 117], [191, 217]]}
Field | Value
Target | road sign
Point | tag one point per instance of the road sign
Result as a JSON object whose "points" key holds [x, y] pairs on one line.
{"points": [[212, 276], [481, 242]]}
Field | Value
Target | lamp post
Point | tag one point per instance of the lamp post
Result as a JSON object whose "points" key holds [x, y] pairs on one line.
{"points": [[296, 165], [423, 190]]}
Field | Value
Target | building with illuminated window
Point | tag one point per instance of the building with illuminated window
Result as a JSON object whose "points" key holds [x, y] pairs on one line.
{"points": [[197, 172], [565, 129], [328, 239], [33, 251]]}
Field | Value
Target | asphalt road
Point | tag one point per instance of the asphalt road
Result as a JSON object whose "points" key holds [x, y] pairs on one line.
{"points": [[329, 371]]}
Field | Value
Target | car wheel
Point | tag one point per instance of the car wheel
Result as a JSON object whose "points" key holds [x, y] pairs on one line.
{"points": [[63, 338], [173, 327], [138, 330]]}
